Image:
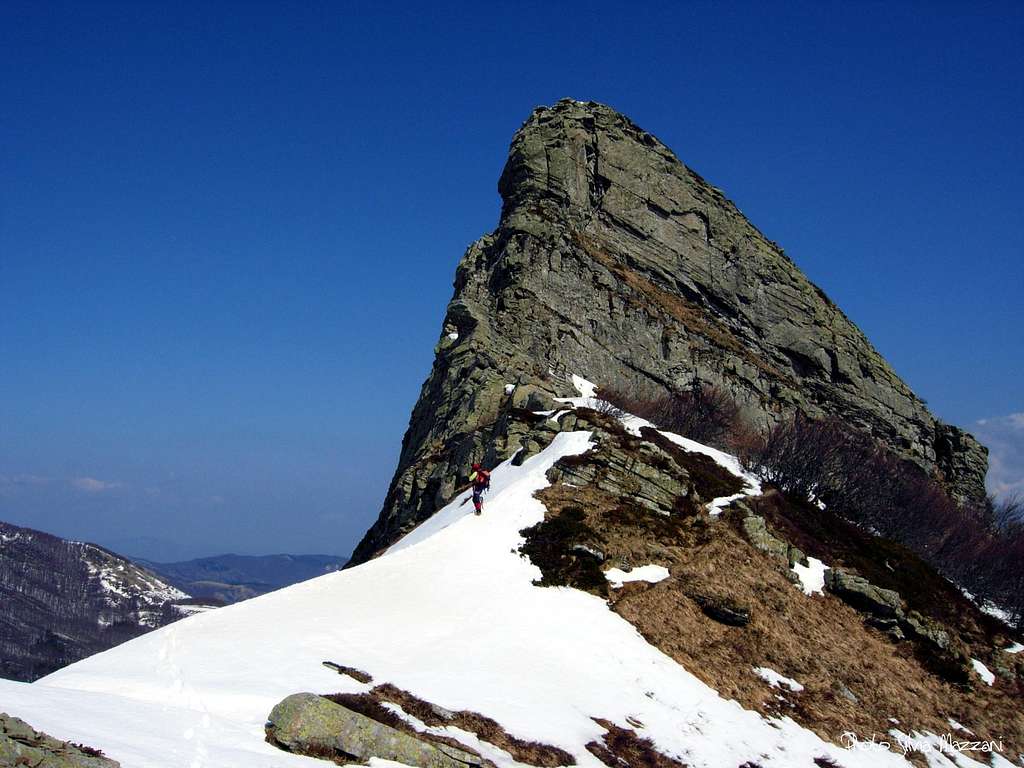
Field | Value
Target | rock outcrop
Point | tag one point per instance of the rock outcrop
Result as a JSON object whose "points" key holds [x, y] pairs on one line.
{"points": [[308, 724], [23, 745], [614, 261]]}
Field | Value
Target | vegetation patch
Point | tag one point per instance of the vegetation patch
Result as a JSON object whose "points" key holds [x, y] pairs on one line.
{"points": [[825, 535], [486, 729], [819, 641], [563, 546], [356, 674], [979, 546], [624, 748]]}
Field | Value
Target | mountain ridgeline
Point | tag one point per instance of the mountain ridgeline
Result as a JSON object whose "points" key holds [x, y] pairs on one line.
{"points": [[232, 578], [65, 600], [614, 261]]}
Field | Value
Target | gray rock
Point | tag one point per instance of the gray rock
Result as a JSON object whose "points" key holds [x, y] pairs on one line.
{"points": [[723, 610], [917, 625], [639, 470], [22, 745], [757, 533], [847, 694], [306, 723], [614, 261], [884, 604]]}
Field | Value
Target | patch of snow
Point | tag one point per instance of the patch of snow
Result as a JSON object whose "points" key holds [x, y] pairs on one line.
{"points": [[510, 388], [752, 483], [412, 720], [958, 726], [188, 610], [453, 336], [652, 574], [585, 388], [775, 680], [1015, 648], [983, 672], [715, 506], [812, 576], [588, 394], [996, 612]]}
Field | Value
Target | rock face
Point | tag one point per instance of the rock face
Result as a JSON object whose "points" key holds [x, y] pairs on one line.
{"points": [[20, 744], [312, 725], [614, 261]]}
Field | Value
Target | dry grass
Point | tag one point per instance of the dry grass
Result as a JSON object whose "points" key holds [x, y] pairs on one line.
{"points": [[356, 674], [819, 640], [528, 752], [623, 748]]}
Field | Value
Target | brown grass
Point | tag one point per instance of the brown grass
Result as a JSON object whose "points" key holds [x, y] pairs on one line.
{"points": [[356, 674], [623, 748], [818, 640], [529, 752]]}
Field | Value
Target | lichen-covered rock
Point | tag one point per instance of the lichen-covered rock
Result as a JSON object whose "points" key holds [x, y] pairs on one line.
{"points": [[614, 261], [624, 466], [885, 604], [757, 533], [22, 745], [306, 723]]}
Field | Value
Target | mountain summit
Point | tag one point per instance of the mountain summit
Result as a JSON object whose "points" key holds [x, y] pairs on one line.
{"points": [[614, 259], [631, 596]]}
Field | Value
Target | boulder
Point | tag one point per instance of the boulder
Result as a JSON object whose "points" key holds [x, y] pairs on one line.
{"points": [[863, 595], [723, 609], [308, 724], [757, 533]]}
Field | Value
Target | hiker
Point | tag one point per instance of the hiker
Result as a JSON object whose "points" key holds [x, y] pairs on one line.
{"points": [[481, 480]]}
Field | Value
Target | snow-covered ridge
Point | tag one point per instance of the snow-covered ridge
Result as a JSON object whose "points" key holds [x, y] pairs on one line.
{"points": [[449, 613], [127, 585]]}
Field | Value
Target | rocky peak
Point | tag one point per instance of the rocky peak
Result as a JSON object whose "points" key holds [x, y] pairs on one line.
{"points": [[615, 261]]}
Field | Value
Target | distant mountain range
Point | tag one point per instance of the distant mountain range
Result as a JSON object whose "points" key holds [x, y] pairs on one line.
{"points": [[65, 600], [230, 578]]}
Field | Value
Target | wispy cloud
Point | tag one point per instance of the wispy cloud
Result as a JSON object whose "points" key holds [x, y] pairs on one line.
{"points": [[23, 480], [1004, 436], [92, 485]]}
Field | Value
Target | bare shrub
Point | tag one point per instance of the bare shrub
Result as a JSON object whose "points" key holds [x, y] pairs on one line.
{"points": [[980, 548], [800, 456], [701, 412]]}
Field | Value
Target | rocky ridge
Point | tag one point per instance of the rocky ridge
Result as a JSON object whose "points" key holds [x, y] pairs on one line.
{"points": [[614, 260]]}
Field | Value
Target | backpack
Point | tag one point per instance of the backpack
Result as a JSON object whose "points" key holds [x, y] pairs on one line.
{"points": [[483, 479]]}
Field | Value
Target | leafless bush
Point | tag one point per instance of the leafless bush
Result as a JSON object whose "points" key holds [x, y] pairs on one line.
{"points": [[980, 548], [800, 456], [701, 412]]}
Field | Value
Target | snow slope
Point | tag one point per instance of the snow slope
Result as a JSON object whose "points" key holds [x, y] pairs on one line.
{"points": [[449, 613]]}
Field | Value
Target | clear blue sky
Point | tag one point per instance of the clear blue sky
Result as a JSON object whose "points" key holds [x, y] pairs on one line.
{"points": [[228, 230]]}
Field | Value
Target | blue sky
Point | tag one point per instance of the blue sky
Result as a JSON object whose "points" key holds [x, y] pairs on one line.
{"points": [[228, 231]]}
